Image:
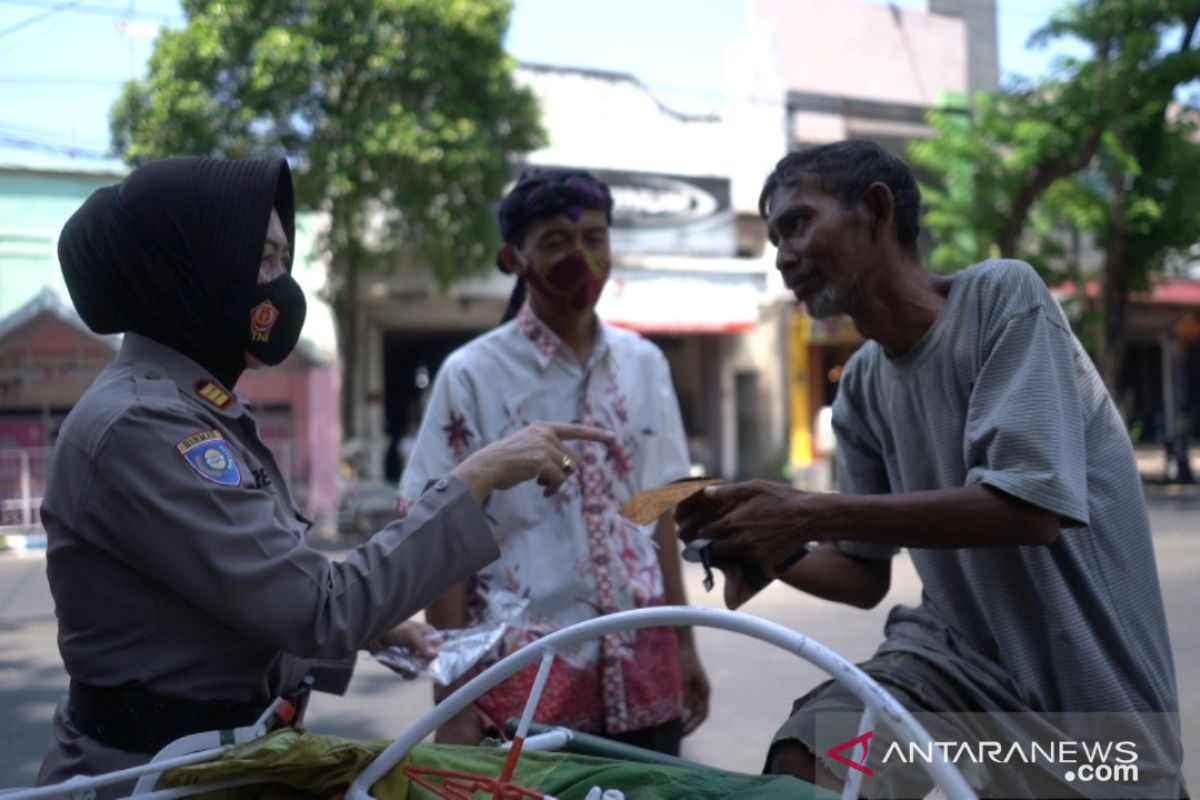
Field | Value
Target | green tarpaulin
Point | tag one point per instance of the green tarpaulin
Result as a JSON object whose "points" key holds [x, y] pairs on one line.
{"points": [[299, 764]]}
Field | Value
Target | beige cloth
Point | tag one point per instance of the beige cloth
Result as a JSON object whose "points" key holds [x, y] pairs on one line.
{"points": [[648, 505]]}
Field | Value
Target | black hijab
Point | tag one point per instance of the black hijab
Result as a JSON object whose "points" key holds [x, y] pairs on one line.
{"points": [[165, 252]]}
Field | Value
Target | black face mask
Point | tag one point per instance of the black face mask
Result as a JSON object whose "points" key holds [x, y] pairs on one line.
{"points": [[270, 317]]}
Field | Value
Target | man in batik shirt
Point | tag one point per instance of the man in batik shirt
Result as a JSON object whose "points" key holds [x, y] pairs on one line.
{"points": [[570, 554]]}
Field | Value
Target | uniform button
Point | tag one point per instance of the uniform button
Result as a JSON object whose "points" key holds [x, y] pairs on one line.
{"points": [[441, 485]]}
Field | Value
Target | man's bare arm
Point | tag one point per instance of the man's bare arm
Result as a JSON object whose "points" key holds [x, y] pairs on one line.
{"points": [[972, 516], [828, 573], [696, 688], [769, 524], [448, 612]]}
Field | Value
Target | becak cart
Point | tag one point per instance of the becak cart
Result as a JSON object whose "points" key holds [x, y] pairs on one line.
{"points": [[537, 762]]}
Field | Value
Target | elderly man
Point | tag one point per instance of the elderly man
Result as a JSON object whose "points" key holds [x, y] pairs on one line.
{"points": [[972, 429]]}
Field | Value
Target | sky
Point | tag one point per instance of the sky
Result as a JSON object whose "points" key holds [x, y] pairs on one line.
{"points": [[62, 62]]}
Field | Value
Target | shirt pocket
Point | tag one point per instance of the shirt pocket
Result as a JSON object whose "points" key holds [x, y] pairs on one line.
{"points": [[258, 479], [640, 464], [524, 511]]}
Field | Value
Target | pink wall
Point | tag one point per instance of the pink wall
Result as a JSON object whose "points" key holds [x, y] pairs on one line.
{"points": [[21, 433], [311, 392], [324, 437], [57, 363]]}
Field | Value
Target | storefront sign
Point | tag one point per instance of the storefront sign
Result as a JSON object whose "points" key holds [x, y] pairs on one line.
{"points": [[660, 214]]}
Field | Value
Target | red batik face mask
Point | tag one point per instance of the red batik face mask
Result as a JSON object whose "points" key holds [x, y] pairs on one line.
{"points": [[573, 283]]}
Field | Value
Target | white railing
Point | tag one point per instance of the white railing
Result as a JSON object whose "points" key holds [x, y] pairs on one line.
{"points": [[22, 481], [23, 474]]}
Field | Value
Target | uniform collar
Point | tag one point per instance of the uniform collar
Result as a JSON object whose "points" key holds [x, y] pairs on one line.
{"points": [[154, 361], [547, 344]]}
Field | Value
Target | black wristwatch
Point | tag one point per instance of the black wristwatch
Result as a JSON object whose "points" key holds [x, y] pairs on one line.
{"points": [[699, 551]]}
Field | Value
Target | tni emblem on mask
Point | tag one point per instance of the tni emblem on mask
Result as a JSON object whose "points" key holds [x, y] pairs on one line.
{"points": [[262, 319]]}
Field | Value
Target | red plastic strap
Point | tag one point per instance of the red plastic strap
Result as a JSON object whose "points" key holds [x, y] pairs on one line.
{"points": [[286, 712], [511, 764], [463, 785]]}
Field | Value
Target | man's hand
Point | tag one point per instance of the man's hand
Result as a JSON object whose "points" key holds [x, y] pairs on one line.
{"points": [[737, 589], [418, 638], [423, 640], [465, 727], [695, 688], [757, 522], [697, 511]]}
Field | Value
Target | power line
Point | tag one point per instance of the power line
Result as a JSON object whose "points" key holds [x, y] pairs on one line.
{"points": [[14, 128], [50, 147], [81, 8], [25, 23], [17, 77], [55, 139]]}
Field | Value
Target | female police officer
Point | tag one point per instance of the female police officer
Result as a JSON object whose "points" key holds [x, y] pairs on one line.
{"points": [[186, 595]]}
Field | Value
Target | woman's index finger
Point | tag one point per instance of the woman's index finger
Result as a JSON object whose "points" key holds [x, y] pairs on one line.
{"points": [[567, 430]]}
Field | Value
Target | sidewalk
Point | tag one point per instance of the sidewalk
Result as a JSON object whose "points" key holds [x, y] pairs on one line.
{"points": [[1152, 467], [22, 542]]}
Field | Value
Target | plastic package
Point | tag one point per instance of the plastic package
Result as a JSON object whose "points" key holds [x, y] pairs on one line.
{"points": [[461, 648], [596, 793]]}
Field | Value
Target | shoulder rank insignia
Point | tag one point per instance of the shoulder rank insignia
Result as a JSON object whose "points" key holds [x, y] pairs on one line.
{"points": [[213, 394], [210, 456]]}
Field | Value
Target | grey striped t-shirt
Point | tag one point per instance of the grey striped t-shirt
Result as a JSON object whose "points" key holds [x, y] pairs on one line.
{"points": [[1000, 392]]}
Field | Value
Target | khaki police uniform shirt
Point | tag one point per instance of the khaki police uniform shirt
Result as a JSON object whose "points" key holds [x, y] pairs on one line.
{"points": [[177, 558]]}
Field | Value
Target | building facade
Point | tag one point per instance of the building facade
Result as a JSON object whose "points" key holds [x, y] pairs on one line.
{"points": [[691, 267], [854, 69], [48, 357], [680, 277], [859, 70]]}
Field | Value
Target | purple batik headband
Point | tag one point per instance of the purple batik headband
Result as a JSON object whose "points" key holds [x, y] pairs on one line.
{"points": [[547, 193]]}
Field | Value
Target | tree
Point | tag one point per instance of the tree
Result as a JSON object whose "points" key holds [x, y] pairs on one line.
{"points": [[399, 118], [1097, 147]]}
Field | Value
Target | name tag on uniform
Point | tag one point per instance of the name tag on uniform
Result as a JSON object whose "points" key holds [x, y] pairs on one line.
{"points": [[210, 456]]}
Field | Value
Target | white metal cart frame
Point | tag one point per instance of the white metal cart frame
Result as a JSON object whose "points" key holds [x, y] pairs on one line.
{"points": [[878, 704]]}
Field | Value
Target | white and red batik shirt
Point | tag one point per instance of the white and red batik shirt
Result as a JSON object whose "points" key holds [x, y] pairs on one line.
{"points": [[572, 555]]}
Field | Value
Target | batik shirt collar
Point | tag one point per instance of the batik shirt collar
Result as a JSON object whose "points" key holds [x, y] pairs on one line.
{"points": [[547, 344]]}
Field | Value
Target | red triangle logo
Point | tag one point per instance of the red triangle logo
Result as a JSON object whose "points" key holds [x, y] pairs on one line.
{"points": [[836, 753]]}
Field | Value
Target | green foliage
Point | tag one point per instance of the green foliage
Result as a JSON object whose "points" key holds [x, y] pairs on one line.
{"points": [[1111, 107], [398, 116], [985, 162], [1100, 150], [964, 208]]}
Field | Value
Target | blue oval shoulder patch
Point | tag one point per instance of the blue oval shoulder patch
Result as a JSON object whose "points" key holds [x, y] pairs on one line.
{"points": [[210, 456]]}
